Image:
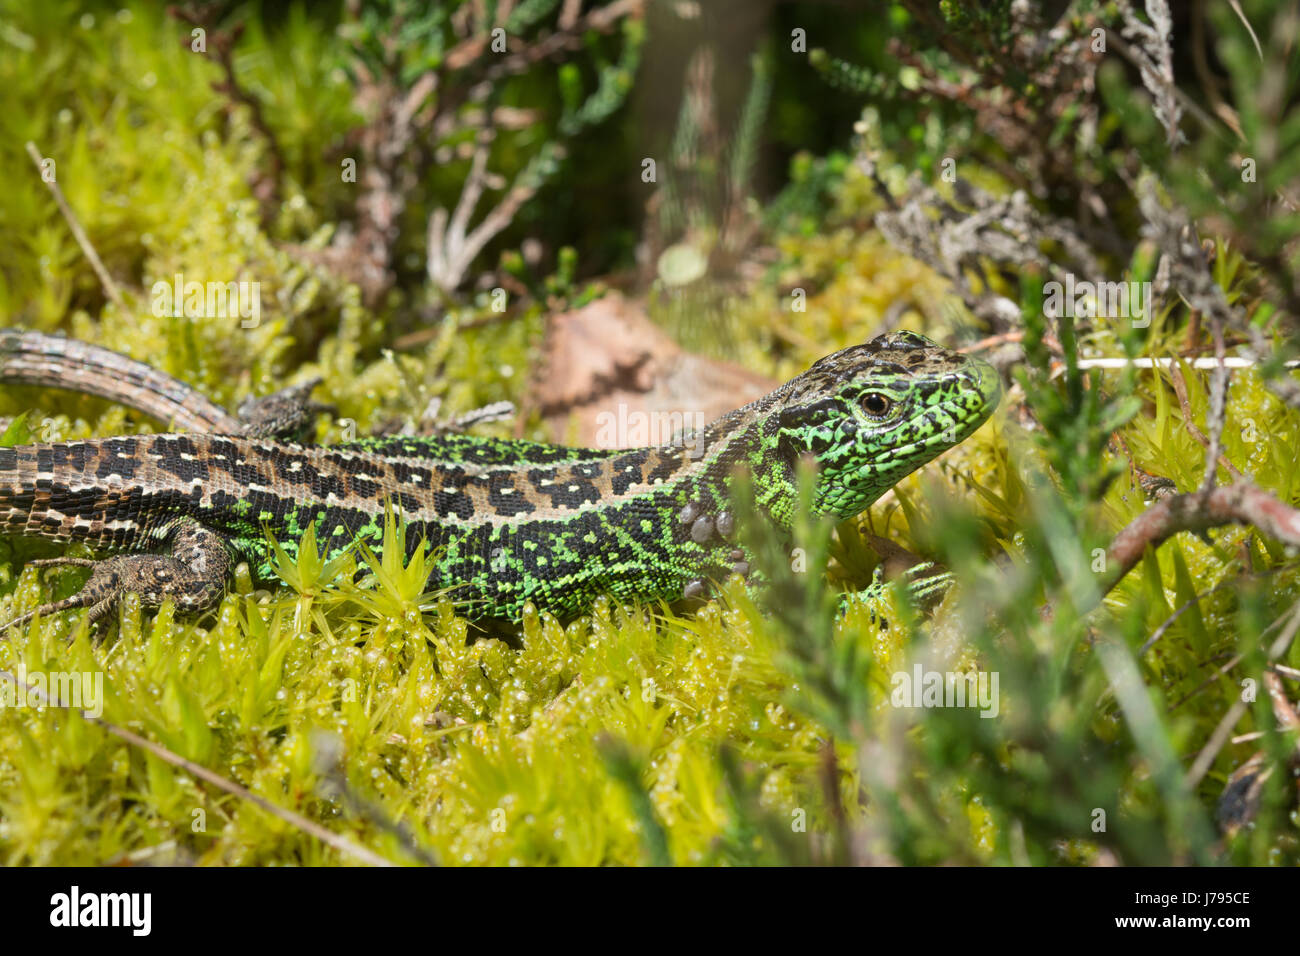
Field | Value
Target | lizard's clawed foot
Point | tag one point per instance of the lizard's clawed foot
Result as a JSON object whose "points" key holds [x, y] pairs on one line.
{"points": [[737, 562], [925, 584], [193, 576], [99, 594], [286, 414]]}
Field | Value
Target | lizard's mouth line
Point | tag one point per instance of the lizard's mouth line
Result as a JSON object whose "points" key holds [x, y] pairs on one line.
{"points": [[927, 446]]}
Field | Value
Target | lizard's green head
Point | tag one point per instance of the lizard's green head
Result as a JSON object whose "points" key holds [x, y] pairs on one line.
{"points": [[872, 413]]}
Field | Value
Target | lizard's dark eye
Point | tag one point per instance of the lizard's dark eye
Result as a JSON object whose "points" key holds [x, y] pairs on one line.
{"points": [[876, 405]]}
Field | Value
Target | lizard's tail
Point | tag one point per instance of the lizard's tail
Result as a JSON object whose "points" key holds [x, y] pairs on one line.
{"points": [[69, 492], [33, 358], [28, 502]]}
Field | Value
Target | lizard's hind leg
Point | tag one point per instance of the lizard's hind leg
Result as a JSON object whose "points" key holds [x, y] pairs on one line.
{"points": [[192, 574]]}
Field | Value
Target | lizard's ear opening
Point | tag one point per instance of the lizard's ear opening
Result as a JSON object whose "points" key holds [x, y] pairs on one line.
{"points": [[790, 448], [808, 415]]}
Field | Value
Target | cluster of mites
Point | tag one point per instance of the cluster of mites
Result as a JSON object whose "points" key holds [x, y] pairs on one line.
{"points": [[704, 528]]}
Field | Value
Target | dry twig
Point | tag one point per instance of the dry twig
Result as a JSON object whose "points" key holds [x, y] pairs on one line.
{"points": [[110, 287], [296, 820]]}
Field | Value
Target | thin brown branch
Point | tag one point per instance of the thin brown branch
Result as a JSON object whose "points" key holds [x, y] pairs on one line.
{"points": [[1180, 390], [1283, 709], [1239, 503], [220, 49], [1221, 671], [310, 827], [328, 764], [110, 287], [1223, 731], [1218, 410], [1184, 264]]}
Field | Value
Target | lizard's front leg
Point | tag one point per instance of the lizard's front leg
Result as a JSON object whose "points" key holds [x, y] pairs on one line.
{"points": [[192, 573], [925, 584]]}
